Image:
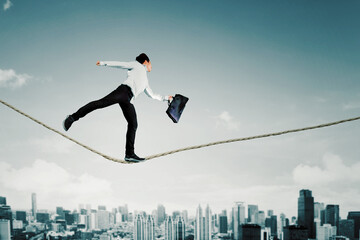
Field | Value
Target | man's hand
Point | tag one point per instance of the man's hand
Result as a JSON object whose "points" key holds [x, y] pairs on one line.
{"points": [[98, 63], [170, 98]]}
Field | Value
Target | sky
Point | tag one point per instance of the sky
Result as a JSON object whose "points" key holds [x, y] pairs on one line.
{"points": [[248, 68]]}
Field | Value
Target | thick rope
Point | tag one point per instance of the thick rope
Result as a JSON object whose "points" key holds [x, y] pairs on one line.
{"points": [[187, 148]]}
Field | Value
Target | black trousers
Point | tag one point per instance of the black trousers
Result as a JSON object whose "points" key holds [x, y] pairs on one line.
{"points": [[122, 95]]}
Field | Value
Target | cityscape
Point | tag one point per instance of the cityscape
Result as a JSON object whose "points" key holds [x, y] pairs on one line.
{"points": [[243, 221]]}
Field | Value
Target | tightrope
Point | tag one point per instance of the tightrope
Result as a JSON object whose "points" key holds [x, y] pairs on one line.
{"points": [[181, 149]]}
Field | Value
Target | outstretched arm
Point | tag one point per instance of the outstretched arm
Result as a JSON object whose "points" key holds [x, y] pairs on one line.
{"points": [[152, 95], [115, 64]]}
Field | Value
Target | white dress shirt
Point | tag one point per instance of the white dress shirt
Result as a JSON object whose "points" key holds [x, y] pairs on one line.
{"points": [[137, 78]]}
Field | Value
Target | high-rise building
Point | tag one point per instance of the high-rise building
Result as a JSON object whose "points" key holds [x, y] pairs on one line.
{"points": [[270, 213], [295, 232], [149, 229], [5, 232], [179, 228], [332, 216], [161, 214], [102, 207], [318, 207], [238, 218], [284, 222], [250, 232], [273, 226], [139, 230], [169, 229], [356, 217], [199, 225], [93, 220], [261, 219], [203, 224], [2, 200], [34, 205], [21, 216], [223, 228], [208, 223], [103, 219], [6, 213], [42, 217], [346, 228], [60, 213], [184, 215], [69, 218], [306, 211], [325, 232], [124, 213], [253, 212]]}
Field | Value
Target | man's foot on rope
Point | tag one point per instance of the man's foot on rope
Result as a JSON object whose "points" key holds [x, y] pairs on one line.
{"points": [[133, 158], [68, 122]]}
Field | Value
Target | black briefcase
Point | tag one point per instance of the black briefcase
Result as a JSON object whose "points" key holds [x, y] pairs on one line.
{"points": [[176, 107]]}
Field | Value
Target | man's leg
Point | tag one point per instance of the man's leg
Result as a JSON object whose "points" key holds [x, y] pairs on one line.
{"points": [[106, 101], [110, 99], [130, 116]]}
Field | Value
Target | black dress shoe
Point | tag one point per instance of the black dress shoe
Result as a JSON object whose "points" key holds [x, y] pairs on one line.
{"points": [[133, 158], [68, 122]]}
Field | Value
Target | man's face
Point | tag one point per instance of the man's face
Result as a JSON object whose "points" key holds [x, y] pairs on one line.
{"points": [[148, 66]]}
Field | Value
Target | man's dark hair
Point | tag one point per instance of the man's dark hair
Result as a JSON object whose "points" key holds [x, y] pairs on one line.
{"points": [[142, 58]]}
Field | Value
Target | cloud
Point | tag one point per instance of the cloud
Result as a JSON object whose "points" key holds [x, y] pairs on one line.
{"points": [[333, 172], [9, 78], [351, 105], [54, 184], [52, 144], [7, 5], [227, 121]]}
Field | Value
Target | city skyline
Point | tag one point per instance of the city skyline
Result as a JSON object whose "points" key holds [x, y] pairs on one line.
{"points": [[206, 225], [243, 209], [247, 67]]}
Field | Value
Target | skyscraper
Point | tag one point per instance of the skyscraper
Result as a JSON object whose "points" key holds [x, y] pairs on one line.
{"points": [[208, 223], [203, 226], [346, 228], [261, 219], [21, 216], [34, 205], [2, 200], [149, 233], [139, 230], [325, 231], [124, 213], [250, 232], [169, 229], [253, 212], [332, 215], [184, 215], [5, 232], [161, 214], [6, 213], [318, 207], [356, 217], [179, 227], [223, 223], [306, 211], [60, 212], [238, 218], [295, 232], [273, 225], [199, 225], [103, 219]]}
